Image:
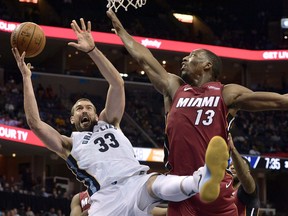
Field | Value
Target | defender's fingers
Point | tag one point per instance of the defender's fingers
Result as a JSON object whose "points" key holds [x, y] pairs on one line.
{"points": [[83, 26], [77, 28], [73, 27], [89, 26], [73, 44]]}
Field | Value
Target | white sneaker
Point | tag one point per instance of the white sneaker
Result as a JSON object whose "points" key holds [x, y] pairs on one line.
{"points": [[211, 175]]}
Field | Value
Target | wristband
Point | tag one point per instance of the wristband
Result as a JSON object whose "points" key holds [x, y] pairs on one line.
{"points": [[91, 49]]}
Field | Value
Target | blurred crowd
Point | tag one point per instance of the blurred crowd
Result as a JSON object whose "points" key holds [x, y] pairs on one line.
{"points": [[28, 211], [257, 133], [26, 188]]}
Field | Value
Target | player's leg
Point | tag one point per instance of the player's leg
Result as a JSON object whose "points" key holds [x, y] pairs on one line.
{"points": [[216, 160], [206, 180]]}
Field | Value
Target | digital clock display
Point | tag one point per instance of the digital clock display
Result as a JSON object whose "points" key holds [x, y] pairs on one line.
{"points": [[270, 163]]}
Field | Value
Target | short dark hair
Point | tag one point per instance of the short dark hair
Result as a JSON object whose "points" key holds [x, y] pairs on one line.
{"points": [[216, 63], [81, 99]]}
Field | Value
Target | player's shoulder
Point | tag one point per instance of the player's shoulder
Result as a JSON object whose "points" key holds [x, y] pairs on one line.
{"points": [[235, 87], [231, 92], [175, 77]]}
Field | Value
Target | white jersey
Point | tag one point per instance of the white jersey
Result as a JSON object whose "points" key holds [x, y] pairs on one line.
{"points": [[102, 157]]}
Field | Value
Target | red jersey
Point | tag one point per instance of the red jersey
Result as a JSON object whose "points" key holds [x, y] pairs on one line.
{"points": [[224, 205], [84, 200], [197, 114], [247, 204]]}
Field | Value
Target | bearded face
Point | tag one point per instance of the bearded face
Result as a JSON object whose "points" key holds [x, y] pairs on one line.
{"points": [[84, 116], [85, 122]]}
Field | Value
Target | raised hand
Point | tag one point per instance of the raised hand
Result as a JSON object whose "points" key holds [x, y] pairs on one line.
{"points": [[230, 141], [84, 36], [23, 67], [115, 21]]}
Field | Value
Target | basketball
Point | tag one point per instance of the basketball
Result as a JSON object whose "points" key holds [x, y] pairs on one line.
{"points": [[28, 37]]}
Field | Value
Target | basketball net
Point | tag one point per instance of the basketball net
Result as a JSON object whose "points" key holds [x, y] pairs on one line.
{"points": [[116, 4]]}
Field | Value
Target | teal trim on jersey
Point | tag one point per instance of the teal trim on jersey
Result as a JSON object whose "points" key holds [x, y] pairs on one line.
{"points": [[89, 181]]}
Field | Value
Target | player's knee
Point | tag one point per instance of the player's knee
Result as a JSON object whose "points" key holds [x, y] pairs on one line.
{"points": [[171, 188], [150, 183]]}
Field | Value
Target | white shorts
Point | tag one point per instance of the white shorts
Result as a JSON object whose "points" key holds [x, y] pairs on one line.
{"points": [[122, 198]]}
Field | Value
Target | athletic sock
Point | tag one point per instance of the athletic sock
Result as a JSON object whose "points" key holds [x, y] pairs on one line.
{"points": [[174, 188]]}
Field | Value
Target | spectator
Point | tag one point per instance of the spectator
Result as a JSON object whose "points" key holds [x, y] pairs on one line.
{"points": [[254, 150]]}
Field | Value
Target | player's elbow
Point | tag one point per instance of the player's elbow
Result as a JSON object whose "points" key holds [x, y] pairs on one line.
{"points": [[34, 124], [249, 188], [121, 83]]}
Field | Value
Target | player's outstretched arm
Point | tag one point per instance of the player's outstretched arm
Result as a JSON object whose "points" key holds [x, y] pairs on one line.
{"points": [[154, 70], [241, 98], [115, 101], [51, 138], [242, 169]]}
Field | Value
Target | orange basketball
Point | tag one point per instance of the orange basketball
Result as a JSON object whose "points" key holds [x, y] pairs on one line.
{"points": [[28, 37]]}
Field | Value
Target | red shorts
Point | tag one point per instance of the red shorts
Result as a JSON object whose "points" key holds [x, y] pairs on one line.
{"points": [[224, 205]]}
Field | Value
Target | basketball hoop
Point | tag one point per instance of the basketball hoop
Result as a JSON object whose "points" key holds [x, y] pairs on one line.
{"points": [[116, 4]]}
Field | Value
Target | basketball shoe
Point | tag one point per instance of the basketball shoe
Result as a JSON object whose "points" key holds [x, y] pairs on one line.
{"points": [[210, 176]]}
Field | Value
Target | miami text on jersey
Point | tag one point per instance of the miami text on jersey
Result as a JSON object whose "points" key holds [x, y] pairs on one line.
{"points": [[211, 101]]}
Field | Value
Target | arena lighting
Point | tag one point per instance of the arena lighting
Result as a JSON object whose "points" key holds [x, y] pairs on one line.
{"points": [[284, 23], [29, 1], [185, 18], [160, 44]]}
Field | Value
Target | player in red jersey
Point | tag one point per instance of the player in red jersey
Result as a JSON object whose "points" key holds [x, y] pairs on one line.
{"points": [[246, 193], [197, 107], [80, 204]]}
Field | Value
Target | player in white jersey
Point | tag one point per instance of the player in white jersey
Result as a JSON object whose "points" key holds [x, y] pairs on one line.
{"points": [[112, 152], [102, 157]]}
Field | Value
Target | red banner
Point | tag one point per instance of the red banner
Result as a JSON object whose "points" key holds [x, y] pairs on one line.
{"points": [[154, 43], [19, 135]]}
